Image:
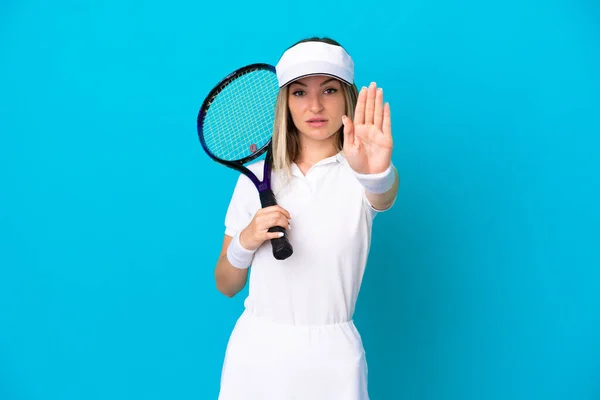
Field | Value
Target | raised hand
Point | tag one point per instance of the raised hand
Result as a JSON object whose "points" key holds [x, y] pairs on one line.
{"points": [[368, 139]]}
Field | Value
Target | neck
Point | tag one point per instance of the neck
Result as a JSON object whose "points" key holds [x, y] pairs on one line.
{"points": [[311, 152]]}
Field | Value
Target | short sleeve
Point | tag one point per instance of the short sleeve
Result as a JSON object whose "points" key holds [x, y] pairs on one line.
{"points": [[242, 206]]}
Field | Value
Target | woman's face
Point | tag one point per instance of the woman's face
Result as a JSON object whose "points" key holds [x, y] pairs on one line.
{"points": [[317, 104]]}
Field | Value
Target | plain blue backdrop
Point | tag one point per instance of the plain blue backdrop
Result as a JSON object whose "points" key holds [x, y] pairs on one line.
{"points": [[483, 281]]}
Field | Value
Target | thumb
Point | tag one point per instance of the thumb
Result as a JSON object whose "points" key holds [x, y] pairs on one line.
{"points": [[348, 130]]}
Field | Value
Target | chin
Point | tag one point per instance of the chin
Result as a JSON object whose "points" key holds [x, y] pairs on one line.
{"points": [[319, 133], [315, 134]]}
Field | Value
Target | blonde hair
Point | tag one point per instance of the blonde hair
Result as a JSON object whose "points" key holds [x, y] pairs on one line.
{"points": [[286, 145]]}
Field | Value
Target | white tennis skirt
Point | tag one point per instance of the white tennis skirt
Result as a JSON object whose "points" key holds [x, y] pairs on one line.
{"points": [[270, 361]]}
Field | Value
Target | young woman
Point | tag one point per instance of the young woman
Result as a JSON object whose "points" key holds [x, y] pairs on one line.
{"points": [[332, 173]]}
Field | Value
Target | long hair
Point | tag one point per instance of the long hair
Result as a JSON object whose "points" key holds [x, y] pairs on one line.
{"points": [[286, 145]]}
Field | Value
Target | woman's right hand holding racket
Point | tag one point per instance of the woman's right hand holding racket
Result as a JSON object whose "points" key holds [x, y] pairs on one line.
{"points": [[257, 230]]}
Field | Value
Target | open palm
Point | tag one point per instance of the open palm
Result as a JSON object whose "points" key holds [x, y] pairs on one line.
{"points": [[368, 139]]}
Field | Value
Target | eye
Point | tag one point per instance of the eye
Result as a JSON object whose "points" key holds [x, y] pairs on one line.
{"points": [[330, 90], [298, 93]]}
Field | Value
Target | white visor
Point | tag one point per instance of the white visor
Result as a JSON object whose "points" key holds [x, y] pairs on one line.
{"points": [[314, 58]]}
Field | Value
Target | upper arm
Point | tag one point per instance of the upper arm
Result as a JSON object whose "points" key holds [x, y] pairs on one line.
{"points": [[241, 206]]}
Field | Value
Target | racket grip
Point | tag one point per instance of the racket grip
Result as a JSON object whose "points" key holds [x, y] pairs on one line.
{"points": [[282, 248]]}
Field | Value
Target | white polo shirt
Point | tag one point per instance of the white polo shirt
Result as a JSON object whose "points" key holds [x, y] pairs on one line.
{"points": [[331, 233]]}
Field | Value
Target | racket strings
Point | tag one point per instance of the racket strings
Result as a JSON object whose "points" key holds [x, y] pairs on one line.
{"points": [[240, 118]]}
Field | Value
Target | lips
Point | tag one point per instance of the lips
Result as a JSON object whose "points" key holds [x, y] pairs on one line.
{"points": [[316, 122]]}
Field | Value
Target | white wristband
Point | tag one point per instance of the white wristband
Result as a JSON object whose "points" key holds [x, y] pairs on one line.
{"points": [[237, 255], [378, 183]]}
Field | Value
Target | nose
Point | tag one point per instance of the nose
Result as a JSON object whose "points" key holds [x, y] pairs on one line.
{"points": [[315, 104]]}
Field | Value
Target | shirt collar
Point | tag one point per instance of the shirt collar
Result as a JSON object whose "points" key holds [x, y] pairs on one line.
{"points": [[336, 158]]}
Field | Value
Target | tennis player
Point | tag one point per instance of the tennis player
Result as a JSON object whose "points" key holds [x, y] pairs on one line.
{"points": [[332, 174]]}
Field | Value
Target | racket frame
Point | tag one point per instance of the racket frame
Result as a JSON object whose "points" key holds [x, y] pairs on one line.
{"points": [[282, 249]]}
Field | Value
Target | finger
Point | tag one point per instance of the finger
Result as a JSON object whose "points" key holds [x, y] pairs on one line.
{"points": [[283, 211], [275, 209], [348, 131], [359, 112], [273, 235], [271, 218], [370, 103], [285, 224], [378, 118], [267, 224], [387, 120]]}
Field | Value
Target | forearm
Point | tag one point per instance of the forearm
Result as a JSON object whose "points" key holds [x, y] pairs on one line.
{"points": [[237, 252], [383, 201], [230, 280]]}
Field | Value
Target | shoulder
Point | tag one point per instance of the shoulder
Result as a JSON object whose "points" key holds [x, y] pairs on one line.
{"points": [[244, 201]]}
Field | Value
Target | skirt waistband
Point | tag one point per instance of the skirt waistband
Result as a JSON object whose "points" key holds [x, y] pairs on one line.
{"points": [[248, 317]]}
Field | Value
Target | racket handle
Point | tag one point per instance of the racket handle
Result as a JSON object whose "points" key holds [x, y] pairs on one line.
{"points": [[282, 248]]}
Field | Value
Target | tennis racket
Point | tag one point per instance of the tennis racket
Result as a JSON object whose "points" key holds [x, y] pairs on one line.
{"points": [[235, 127]]}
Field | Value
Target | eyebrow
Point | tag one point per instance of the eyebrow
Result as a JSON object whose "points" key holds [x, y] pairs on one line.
{"points": [[322, 84]]}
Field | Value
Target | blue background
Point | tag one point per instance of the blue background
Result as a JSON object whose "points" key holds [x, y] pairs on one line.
{"points": [[483, 281]]}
